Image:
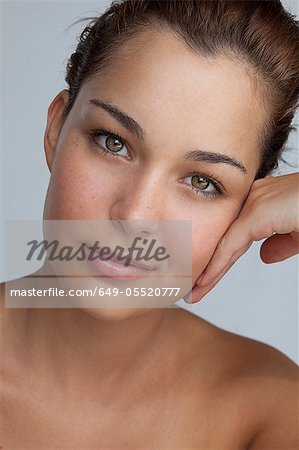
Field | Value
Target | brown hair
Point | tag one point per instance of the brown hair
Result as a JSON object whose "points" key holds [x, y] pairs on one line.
{"points": [[260, 34]]}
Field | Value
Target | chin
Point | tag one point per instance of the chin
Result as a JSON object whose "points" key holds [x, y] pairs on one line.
{"points": [[115, 314]]}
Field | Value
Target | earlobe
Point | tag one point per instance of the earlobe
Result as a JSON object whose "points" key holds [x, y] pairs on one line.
{"points": [[54, 125]]}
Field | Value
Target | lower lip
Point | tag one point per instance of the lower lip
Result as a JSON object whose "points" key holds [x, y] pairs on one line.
{"points": [[114, 269]]}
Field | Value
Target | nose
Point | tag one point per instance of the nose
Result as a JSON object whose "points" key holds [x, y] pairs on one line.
{"points": [[138, 206], [139, 227]]}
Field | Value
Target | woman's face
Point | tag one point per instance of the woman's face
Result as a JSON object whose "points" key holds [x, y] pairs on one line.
{"points": [[185, 105]]}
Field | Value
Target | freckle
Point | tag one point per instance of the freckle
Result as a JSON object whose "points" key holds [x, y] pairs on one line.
{"points": [[75, 142]]}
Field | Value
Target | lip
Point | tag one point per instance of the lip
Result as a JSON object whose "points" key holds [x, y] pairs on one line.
{"points": [[116, 269]]}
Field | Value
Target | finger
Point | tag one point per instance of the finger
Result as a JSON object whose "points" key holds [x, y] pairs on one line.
{"points": [[221, 258], [237, 239], [198, 292], [278, 248]]}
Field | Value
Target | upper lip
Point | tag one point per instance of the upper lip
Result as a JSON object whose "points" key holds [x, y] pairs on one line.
{"points": [[133, 262]]}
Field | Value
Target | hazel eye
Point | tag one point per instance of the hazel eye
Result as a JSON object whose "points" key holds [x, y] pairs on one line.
{"points": [[110, 143], [203, 184], [200, 182], [113, 144]]}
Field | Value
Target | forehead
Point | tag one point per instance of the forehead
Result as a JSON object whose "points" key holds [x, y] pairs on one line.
{"points": [[171, 90]]}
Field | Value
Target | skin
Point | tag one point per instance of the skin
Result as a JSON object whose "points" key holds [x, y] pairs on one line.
{"points": [[132, 363], [270, 212]]}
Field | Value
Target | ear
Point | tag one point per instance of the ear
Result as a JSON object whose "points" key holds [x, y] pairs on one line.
{"points": [[54, 125]]}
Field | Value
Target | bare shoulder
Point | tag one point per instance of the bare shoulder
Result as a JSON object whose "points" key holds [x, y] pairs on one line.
{"points": [[273, 380], [242, 354], [3, 310], [261, 383], [2, 290], [2, 299]]}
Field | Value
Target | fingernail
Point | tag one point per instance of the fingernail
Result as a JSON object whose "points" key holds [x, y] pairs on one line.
{"points": [[188, 298]]}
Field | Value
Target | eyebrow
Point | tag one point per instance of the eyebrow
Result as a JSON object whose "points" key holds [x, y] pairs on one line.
{"points": [[215, 158], [197, 155], [128, 122]]}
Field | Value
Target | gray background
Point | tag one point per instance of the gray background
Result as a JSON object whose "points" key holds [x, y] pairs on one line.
{"points": [[254, 299]]}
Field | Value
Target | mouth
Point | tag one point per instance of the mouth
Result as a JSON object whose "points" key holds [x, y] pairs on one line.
{"points": [[115, 267]]}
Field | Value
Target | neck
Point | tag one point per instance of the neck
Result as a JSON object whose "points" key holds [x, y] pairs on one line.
{"points": [[105, 350]]}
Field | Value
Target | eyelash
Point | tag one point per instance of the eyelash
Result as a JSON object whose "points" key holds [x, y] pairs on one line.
{"points": [[101, 132], [219, 190]]}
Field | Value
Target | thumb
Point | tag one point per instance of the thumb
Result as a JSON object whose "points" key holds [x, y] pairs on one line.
{"points": [[278, 247]]}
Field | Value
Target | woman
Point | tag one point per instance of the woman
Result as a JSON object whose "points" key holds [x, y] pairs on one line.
{"points": [[144, 84]]}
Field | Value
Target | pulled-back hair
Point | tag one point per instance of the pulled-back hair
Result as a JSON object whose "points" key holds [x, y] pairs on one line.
{"points": [[260, 34]]}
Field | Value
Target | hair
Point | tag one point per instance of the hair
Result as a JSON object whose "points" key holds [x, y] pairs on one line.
{"points": [[262, 35]]}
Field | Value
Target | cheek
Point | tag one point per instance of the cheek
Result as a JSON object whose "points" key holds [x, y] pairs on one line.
{"points": [[206, 233], [78, 189]]}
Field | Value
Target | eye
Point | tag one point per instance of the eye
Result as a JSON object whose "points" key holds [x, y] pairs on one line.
{"points": [[110, 142], [204, 184]]}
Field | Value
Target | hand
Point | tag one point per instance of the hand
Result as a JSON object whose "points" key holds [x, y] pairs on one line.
{"points": [[270, 211]]}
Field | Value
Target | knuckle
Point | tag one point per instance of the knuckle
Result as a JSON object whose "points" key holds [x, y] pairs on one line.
{"points": [[255, 206]]}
